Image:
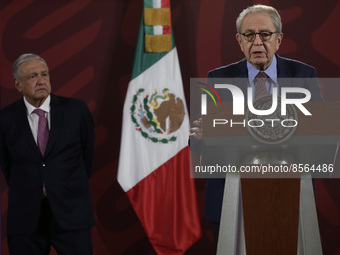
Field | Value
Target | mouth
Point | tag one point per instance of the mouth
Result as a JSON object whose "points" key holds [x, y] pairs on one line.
{"points": [[258, 53], [41, 90]]}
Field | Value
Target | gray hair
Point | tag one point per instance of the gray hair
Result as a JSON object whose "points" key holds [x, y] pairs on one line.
{"points": [[259, 8], [22, 59]]}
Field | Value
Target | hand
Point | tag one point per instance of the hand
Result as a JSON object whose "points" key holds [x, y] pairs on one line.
{"points": [[197, 130]]}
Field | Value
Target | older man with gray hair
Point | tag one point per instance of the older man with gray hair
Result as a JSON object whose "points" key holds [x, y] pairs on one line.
{"points": [[259, 35], [46, 151]]}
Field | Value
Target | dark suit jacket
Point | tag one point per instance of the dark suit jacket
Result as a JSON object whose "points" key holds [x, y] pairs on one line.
{"points": [[65, 167], [286, 68]]}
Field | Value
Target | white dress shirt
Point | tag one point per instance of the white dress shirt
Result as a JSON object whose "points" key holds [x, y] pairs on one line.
{"points": [[33, 118], [271, 71]]}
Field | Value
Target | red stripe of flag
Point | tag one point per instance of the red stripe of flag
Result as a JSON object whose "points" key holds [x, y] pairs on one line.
{"points": [[166, 29], [165, 4], [166, 204]]}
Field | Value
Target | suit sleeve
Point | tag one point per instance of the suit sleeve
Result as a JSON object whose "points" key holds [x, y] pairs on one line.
{"points": [[314, 88], [4, 155], [194, 144], [88, 138]]}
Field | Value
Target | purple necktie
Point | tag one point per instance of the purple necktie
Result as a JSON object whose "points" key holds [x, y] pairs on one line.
{"points": [[42, 130], [260, 89]]}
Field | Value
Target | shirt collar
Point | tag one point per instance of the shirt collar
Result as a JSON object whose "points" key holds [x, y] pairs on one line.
{"points": [[45, 106], [271, 71]]}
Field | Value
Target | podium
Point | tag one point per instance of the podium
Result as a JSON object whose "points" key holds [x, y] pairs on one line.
{"points": [[270, 215], [281, 217], [302, 240]]}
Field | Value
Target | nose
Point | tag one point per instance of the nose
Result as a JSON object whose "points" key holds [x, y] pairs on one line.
{"points": [[257, 40], [40, 79]]}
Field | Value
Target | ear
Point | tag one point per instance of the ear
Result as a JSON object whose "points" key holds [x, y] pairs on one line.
{"points": [[17, 84], [238, 38], [279, 40]]}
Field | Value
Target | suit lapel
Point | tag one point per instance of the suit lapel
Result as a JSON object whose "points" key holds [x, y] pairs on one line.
{"points": [[285, 79], [56, 116], [282, 68], [242, 71], [24, 127], [242, 80]]}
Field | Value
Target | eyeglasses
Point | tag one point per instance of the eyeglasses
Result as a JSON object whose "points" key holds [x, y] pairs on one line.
{"points": [[264, 36]]}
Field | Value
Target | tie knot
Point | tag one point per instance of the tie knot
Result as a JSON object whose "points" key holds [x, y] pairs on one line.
{"points": [[40, 112], [261, 75]]}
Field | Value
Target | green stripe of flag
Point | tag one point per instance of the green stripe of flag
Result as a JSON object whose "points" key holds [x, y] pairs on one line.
{"points": [[149, 30], [143, 60], [148, 3]]}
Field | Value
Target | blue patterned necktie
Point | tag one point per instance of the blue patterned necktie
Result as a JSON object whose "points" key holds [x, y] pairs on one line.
{"points": [[260, 89]]}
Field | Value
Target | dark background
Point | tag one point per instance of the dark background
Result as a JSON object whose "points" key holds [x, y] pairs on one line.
{"points": [[89, 46]]}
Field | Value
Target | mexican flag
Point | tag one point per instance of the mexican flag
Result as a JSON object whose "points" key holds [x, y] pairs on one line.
{"points": [[154, 163]]}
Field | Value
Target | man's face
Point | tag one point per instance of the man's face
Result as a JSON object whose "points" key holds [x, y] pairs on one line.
{"points": [[259, 53], [34, 82]]}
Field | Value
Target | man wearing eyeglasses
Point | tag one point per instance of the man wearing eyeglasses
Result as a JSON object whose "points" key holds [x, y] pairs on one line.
{"points": [[254, 34], [259, 34]]}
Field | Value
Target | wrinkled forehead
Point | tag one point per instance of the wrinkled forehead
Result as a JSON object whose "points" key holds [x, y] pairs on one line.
{"points": [[257, 22], [33, 66]]}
